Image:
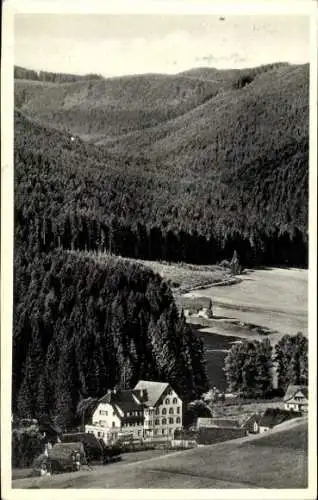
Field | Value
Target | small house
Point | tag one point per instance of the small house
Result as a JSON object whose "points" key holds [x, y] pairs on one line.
{"points": [[296, 398], [251, 423]]}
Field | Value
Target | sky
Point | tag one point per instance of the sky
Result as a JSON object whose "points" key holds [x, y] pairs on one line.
{"points": [[115, 45]]}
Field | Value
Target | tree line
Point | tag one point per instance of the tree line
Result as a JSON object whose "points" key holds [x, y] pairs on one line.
{"points": [[249, 365]]}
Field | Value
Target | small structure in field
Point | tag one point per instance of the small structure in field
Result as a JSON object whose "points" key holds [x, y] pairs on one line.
{"points": [[296, 398], [235, 264], [251, 423]]}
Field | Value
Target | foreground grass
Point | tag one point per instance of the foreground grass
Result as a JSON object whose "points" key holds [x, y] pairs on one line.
{"points": [[275, 460]]}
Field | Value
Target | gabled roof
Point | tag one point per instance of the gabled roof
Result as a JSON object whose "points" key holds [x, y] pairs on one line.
{"points": [[275, 416], [125, 401], [292, 389], [154, 390]]}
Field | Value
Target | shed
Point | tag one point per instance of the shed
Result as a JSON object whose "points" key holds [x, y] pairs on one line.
{"points": [[62, 457], [91, 444]]}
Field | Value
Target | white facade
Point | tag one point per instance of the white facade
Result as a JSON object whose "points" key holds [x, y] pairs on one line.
{"points": [[263, 429], [160, 421], [298, 402], [167, 416]]}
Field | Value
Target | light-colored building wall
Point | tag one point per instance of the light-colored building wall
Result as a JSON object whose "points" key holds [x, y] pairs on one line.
{"points": [[168, 415], [105, 416], [108, 435], [263, 429]]}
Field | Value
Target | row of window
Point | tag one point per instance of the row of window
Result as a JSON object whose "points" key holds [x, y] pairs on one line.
{"points": [[104, 412], [164, 411], [163, 431], [174, 401], [164, 421], [133, 424]]}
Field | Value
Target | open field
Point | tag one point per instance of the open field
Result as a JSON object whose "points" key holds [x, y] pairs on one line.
{"points": [[272, 298], [275, 460], [183, 277]]}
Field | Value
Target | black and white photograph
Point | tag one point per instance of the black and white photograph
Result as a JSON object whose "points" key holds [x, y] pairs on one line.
{"points": [[161, 167]]}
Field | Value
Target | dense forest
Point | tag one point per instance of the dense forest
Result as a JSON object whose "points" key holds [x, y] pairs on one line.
{"points": [[232, 173], [183, 168], [82, 327]]}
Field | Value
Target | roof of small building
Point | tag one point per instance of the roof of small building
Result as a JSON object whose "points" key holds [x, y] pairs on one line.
{"points": [[217, 422], [275, 416], [293, 389], [82, 437], [65, 450], [154, 390]]}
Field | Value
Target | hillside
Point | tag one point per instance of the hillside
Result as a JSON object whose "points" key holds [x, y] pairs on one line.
{"points": [[208, 166], [276, 460], [98, 109], [91, 326]]}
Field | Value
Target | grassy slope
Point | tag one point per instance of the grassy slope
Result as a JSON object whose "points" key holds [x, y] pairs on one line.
{"points": [[277, 460]]}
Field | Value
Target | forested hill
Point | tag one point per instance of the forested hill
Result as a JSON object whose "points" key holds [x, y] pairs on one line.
{"points": [[47, 76], [82, 326], [231, 173]]}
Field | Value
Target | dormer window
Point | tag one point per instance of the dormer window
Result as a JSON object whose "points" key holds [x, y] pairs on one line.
{"points": [[167, 401]]}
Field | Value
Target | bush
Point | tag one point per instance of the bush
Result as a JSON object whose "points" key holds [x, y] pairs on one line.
{"points": [[26, 446]]}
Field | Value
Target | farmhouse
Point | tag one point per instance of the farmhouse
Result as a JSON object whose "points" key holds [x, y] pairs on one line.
{"points": [[150, 410], [296, 398], [275, 416]]}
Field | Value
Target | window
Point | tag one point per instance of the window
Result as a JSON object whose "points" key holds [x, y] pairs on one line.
{"points": [[164, 411], [150, 422], [175, 401], [156, 432], [164, 421], [113, 424], [170, 411], [157, 421], [114, 413], [163, 431], [170, 431], [178, 420], [170, 420], [178, 409], [139, 433], [157, 411], [167, 401], [98, 434]]}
